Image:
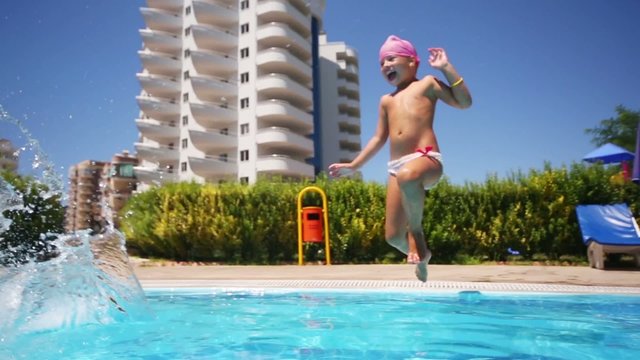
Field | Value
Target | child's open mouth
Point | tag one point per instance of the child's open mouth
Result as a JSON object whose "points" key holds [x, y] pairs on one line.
{"points": [[391, 75]]}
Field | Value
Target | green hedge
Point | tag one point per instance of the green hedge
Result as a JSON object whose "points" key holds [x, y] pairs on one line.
{"points": [[532, 213]]}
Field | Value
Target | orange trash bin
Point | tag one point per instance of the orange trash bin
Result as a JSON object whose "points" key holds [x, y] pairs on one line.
{"points": [[312, 224]]}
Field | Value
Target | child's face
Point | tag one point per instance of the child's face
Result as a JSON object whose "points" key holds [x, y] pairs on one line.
{"points": [[397, 69]]}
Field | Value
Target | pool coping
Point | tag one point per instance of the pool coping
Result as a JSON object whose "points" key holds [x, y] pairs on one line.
{"points": [[408, 285]]}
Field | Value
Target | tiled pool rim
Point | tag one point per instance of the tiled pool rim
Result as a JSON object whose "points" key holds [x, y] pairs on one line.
{"points": [[434, 286]]}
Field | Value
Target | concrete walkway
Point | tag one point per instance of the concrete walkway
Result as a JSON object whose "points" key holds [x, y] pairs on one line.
{"points": [[557, 275]]}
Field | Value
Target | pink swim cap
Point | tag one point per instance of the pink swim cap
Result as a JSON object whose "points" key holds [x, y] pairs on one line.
{"points": [[396, 46]]}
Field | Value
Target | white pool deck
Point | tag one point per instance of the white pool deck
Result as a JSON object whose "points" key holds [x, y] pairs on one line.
{"points": [[501, 278]]}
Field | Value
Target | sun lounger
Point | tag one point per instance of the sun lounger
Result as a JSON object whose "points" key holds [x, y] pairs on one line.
{"points": [[608, 229]]}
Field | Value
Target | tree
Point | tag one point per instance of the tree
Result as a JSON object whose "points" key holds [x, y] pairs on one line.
{"points": [[620, 131], [33, 223]]}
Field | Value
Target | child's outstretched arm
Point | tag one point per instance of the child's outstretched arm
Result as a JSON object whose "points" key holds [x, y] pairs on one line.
{"points": [[373, 146], [456, 93]]}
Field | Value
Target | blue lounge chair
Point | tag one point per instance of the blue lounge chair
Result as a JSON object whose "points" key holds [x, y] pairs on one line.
{"points": [[608, 229]]}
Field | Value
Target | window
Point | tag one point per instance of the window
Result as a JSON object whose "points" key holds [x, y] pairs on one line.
{"points": [[244, 103], [187, 31], [186, 75], [244, 52], [185, 120], [185, 97], [244, 155], [244, 28], [244, 180], [187, 53], [244, 4], [184, 143], [183, 166], [244, 77], [244, 129], [187, 10]]}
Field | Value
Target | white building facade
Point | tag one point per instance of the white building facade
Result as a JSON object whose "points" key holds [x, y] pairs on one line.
{"points": [[235, 90]]}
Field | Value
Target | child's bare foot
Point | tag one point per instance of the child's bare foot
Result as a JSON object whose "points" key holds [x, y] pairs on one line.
{"points": [[413, 258], [421, 267]]}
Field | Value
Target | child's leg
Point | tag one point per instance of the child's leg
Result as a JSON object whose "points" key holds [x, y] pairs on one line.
{"points": [[412, 255], [395, 220], [411, 179]]}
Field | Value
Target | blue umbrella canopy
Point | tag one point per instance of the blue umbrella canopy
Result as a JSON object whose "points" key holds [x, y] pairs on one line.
{"points": [[635, 175], [609, 154]]}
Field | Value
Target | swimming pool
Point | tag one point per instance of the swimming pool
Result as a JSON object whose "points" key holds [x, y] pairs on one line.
{"points": [[348, 324]]}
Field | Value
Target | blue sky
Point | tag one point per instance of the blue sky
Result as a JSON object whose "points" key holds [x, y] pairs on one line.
{"points": [[540, 72]]}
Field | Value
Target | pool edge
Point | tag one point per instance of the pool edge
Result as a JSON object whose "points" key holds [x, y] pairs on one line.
{"points": [[392, 285]]}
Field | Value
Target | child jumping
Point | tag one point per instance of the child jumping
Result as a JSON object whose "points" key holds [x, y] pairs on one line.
{"points": [[406, 117]]}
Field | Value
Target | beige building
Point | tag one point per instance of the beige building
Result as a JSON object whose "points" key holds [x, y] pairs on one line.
{"points": [[234, 90], [119, 183], [98, 190], [8, 157], [84, 210]]}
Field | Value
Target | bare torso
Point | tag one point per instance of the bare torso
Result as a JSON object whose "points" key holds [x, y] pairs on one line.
{"points": [[410, 112]]}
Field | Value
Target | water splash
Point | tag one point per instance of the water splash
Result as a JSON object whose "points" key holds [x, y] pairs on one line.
{"points": [[40, 160], [88, 280]]}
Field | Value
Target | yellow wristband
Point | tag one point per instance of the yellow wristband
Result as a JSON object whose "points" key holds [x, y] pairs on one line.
{"points": [[457, 82]]}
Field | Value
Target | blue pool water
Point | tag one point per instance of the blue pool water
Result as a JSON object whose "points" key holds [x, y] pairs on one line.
{"points": [[375, 324]]}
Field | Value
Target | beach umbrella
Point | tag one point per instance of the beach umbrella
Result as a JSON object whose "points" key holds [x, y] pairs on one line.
{"points": [[609, 154], [635, 176]]}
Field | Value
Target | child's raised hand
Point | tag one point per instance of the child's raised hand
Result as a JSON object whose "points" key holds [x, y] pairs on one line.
{"points": [[438, 58]]}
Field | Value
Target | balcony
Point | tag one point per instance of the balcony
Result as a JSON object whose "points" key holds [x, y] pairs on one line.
{"points": [[159, 85], [278, 60], [281, 35], [283, 11], [350, 142], [214, 13], [351, 123], [212, 141], [352, 139], [122, 184], [153, 175], [158, 130], [349, 54], [213, 63], [159, 63], [211, 166], [159, 41], [348, 69], [213, 89], [280, 140], [213, 38], [168, 5], [348, 87], [281, 113], [279, 86], [158, 108], [161, 20], [284, 165], [212, 115], [156, 153]]}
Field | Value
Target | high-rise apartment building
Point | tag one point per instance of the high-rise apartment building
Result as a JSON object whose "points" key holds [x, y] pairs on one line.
{"points": [[98, 190], [85, 208], [233, 90], [8, 157]]}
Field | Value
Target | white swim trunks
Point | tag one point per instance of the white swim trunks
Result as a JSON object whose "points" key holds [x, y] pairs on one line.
{"points": [[395, 165]]}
